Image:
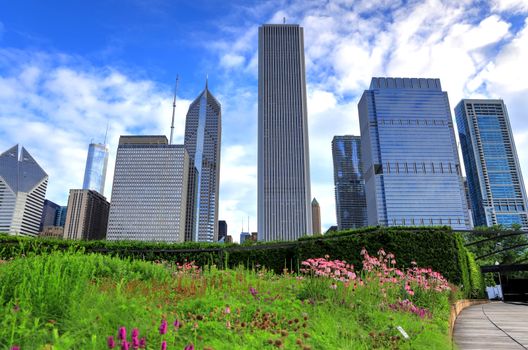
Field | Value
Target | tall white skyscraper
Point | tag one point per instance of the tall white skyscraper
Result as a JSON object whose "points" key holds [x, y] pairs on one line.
{"points": [[284, 209], [23, 186], [149, 193], [203, 134]]}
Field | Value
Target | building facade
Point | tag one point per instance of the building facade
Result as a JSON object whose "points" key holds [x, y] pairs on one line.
{"points": [[149, 193], [49, 214], [351, 205], [60, 219], [316, 217], [87, 217], [203, 132], [222, 230], [495, 184], [95, 171], [284, 210], [23, 186], [409, 155]]}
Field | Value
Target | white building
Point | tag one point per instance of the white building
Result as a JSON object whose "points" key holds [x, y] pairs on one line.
{"points": [[149, 191], [23, 186]]}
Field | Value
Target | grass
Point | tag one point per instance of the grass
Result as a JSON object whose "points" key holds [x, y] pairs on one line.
{"points": [[67, 300]]}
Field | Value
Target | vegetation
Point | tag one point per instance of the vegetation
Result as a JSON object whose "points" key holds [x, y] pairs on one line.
{"points": [[435, 247], [75, 300]]}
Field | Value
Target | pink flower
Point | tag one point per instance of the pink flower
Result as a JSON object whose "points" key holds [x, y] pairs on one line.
{"points": [[122, 333], [227, 310], [125, 345], [135, 333], [177, 324], [110, 342], [15, 347], [189, 347], [163, 327], [164, 345]]}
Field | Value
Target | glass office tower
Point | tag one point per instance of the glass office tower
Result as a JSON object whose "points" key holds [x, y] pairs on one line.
{"points": [[496, 188], [284, 209], [95, 171], [203, 135], [351, 206], [410, 161]]}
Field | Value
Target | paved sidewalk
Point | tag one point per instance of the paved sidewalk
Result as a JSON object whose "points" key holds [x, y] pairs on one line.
{"points": [[494, 326]]}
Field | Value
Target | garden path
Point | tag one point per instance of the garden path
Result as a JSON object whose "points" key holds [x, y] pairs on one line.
{"points": [[496, 326]]}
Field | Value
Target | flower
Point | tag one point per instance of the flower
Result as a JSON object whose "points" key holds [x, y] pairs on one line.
{"points": [[142, 343], [163, 327], [164, 345], [227, 310], [177, 324], [125, 345], [135, 333], [189, 347], [15, 347], [122, 333], [110, 342]]}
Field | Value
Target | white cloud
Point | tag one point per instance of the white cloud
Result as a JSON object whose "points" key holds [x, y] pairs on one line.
{"points": [[516, 6], [232, 61]]}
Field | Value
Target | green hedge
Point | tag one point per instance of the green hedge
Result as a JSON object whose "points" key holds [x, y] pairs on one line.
{"points": [[438, 247]]}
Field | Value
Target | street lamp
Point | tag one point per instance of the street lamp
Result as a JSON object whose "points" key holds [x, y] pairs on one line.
{"points": [[500, 282]]}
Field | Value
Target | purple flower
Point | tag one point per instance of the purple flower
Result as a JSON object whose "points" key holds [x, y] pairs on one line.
{"points": [[164, 345], [253, 291], [15, 347], [177, 324], [125, 345], [122, 333], [135, 333], [163, 327], [189, 347], [142, 343], [110, 341], [135, 343]]}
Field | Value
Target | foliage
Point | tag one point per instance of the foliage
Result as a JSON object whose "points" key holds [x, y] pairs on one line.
{"points": [[73, 300]]}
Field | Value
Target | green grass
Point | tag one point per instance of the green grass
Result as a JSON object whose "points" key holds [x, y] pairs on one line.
{"points": [[66, 300]]}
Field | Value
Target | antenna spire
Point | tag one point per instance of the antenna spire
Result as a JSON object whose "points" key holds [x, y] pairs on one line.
{"points": [[283, 20], [174, 108], [106, 132]]}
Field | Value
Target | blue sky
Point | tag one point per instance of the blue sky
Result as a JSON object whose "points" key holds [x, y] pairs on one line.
{"points": [[68, 67]]}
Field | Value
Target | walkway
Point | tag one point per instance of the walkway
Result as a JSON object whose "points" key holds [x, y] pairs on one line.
{"points": [[493, 326]]}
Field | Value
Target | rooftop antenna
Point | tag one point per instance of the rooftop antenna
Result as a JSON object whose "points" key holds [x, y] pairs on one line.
{"points": [[206, 81], [283, 20], [106, 132], [174, 108]]}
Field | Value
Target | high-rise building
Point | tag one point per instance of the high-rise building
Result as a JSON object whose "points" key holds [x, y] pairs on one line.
{"points": [[244, 236], [95, 172], [203, 132], [23, 186], [284, 210], [495, 183], [316, 217], [49, 214], [149, 192], [409, 155], [87, 216], [351, 205], [60, 219], [222, 230]]}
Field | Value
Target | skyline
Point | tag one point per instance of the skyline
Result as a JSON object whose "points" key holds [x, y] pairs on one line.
{"points": [[60, 84]]}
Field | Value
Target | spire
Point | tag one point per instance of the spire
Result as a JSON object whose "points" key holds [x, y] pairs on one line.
{"points": [[206, 81], [106, 132], [174, 108]]}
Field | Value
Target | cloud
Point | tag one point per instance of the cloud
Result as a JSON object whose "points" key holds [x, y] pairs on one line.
{"points": [[55, 111], [515, 6], [232, 61]]}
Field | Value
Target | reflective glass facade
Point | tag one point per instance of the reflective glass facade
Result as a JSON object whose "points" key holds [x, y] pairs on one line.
{"points": [[284, 210], [149, 192], [203, 133], [95, 171], [496, 188], [410, 161], [351, 205]]}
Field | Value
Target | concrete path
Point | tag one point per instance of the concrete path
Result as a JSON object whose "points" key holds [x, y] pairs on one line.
{"points": [[494, 326]]}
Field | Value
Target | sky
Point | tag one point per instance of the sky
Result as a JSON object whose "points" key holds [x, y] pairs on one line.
{"points": [[67, 68]]}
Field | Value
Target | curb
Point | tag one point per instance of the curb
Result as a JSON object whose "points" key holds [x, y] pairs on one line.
{"points": [[457, 308]]}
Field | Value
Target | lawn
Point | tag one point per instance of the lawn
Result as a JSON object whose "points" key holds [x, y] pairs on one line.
{"points": [[70, 300]]}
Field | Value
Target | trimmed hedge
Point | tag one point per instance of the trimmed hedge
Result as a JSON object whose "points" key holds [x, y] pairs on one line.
{"points": [[436, 247]]}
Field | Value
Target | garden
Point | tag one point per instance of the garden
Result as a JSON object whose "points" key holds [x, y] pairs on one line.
{"points": [[74, 299]]}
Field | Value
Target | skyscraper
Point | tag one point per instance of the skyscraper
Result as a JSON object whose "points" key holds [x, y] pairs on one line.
{"points": [[203, 133], [222, 230], [149, 193], [23, 186], [284, 210], [410, 160], [87, 216], [316, 217], [495, 183], [351, 205], [95, 172]]}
